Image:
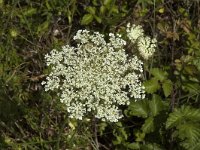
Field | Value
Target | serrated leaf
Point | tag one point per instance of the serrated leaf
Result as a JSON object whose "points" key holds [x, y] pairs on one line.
{"points": [[189, 131], [139, 109], [148, 125], [151, 86], [87, 18], [180, 115], [189, 134], [156, 105], [167, 87], [159, 74], [188, 146], [192, 87], [174, 119]]}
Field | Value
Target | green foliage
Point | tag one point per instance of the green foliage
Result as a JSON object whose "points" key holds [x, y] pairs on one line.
{"points": [[152, 85], [148, 125], [120, 133], [104, 12], [186, 120], [167, 87], [150, 110], [159, 74], [145, 108], [181, 115], [160, 79], [139, 108], [87, 18]]}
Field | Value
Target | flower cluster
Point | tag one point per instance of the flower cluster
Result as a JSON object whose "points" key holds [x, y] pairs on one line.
{"points": [[146, 45], [94, 76]]}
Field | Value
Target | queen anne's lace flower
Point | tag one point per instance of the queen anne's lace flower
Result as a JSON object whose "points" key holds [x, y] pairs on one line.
{"points": [[95, 76], [146, 45]]}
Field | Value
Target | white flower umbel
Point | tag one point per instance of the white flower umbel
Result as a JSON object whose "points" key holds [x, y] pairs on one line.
{"points": [[146, 45], [96, 76], [134, 32]]}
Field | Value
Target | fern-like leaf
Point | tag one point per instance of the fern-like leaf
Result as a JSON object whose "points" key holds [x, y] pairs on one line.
{"points": [[139, 109], [189, 131], [190, 134], [180, 115]]}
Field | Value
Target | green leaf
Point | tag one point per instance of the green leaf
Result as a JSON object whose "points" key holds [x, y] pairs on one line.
{"points": [[118, 140], [167, 87], [87, 18], [191, 69], [133, 145], [114, 9], [139, 109], [159, 74], [91, 10], [151, 86], [174, 119], [107, 2], [139, 136], [30, 12], [181, 115], [196, 62], [192, 87], [102, 127], [98, 19], [120, 134], [102, 10], [151, 146], [95, 2], [188, 146], [1, 3], [156, 105], [148, 126], [189, 131], [43, 27]]}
